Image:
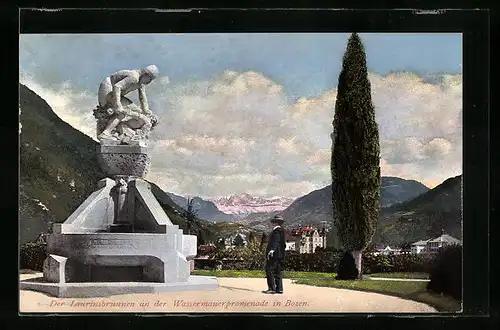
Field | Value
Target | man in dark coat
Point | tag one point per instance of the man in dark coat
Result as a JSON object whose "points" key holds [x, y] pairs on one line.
{"points": [[275, 253]]}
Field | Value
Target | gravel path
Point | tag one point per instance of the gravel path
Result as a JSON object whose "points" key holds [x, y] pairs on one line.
{"points": [[233, 295]]}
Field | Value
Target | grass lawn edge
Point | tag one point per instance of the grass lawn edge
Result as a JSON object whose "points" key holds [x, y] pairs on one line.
{"points": [[260, 273], [402, 275], [440, 307]]}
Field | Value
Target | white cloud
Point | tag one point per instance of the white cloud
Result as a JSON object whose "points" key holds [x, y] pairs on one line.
{"points": [[437, 147], [321, 156], [237, 133]]}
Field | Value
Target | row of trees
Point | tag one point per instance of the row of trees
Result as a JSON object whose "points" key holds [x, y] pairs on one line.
{"points": [[239, 242]]}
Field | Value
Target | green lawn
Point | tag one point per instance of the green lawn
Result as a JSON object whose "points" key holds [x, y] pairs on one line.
{"points": [[415, 291], [424, 276], [261, 273]]}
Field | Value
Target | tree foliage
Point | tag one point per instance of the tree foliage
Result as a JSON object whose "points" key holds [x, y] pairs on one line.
{"points": [[251, 237], [446, 272], [201, 237], [220, 244], [32, 256], [263, 240], [355, 162], [238, 241], [190, 214], [347, 267], [253, 255]]}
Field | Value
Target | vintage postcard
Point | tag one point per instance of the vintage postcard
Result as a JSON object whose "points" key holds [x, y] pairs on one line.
{"points": [[240, 172]]}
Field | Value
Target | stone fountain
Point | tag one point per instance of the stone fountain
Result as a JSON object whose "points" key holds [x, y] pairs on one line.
{"points": [[120, 240]]}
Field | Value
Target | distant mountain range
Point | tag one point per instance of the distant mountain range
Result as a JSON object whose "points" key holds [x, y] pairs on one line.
{"points": [[316, 206], [245, 204], [311, 208], [426, 216], [409, 210], [420, 216], [205, 209], [395, 190]]}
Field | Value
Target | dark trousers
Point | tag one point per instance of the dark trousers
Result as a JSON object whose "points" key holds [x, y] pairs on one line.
{"points": [[274, 275]]}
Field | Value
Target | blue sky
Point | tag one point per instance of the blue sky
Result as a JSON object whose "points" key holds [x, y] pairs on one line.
{"points": [[304, 64], [266, 80]]}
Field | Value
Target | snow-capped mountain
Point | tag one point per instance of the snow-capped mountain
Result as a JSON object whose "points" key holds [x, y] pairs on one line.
{"points": [[245, 204]]}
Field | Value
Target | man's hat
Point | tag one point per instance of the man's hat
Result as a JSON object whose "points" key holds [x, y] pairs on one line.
{"points": [[277, 218]]}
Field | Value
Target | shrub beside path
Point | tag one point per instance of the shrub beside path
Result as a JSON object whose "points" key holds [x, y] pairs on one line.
{"points": [[233, 295]]}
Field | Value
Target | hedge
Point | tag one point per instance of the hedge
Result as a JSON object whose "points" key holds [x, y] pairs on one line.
{"points": [[395, 263], [32, 256], [252, 257], [319, 261], [446, 272]]}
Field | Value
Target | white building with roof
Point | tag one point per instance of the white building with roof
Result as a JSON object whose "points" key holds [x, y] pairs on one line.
{"points": [[388, 250], [290, 246], [419, 246], [434, 244], [444, 240], [306, 239]]}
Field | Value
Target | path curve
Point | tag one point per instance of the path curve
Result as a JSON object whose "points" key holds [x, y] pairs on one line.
{"points": [[231, 296]]}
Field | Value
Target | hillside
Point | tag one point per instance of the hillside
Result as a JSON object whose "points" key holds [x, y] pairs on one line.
{"points": [[201, 227], [205, 209], [417, 218], [58, 166], [59, 170], [425, 216], [396, 190], [317, 205]]}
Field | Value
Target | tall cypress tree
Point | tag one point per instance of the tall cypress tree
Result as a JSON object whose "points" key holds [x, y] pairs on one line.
{"points": [[355, 163]]}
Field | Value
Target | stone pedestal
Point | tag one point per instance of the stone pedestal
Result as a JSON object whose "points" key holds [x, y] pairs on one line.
{"points": [[119, 240]]}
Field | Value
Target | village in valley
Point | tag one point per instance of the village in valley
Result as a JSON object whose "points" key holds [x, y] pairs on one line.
{"points": [[308, 239]]}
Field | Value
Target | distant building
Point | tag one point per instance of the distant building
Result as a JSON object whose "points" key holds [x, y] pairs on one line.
{"points": [[306, 239], [444, 240], [419, 246], [387, 250], [206, 248], [434, 244], [290, 246]]}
